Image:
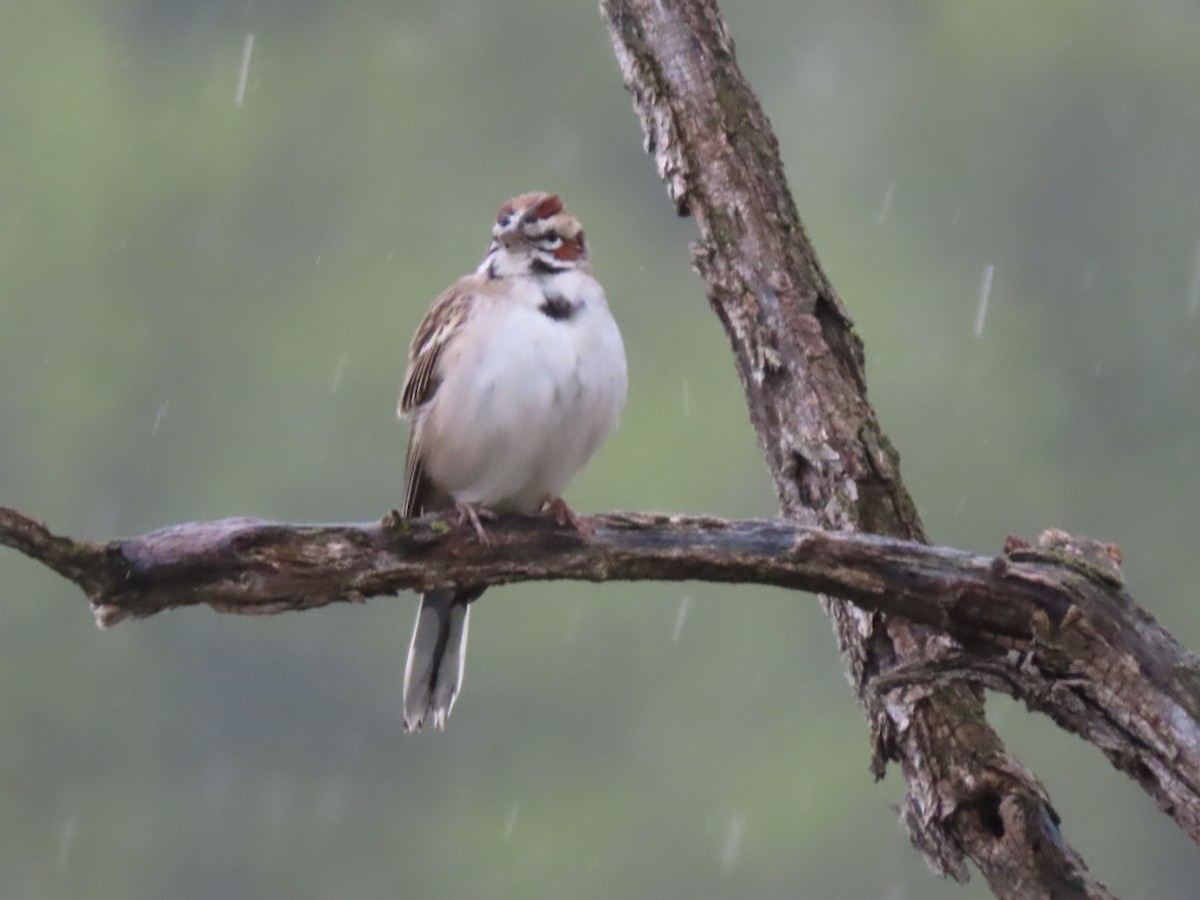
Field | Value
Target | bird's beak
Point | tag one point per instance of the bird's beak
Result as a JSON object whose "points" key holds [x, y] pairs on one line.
{"points": [[509, 234], [508, 237]]}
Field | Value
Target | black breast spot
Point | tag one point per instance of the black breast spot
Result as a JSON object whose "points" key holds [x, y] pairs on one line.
{"points": [[539, 266], [558, 307]]}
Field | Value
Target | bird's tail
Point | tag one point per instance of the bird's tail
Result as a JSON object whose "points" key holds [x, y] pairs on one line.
{"points": [[436, 656]]}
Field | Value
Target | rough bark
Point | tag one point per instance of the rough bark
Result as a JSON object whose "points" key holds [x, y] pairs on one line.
{"points": [[801, 366], [1052, 625]]}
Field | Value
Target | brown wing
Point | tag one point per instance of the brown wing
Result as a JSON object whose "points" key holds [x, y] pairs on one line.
{"points": [[416, 485], [421, 380]]}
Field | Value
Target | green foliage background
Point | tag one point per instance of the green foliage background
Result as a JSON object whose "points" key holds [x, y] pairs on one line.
{"points": [[204, 310]]}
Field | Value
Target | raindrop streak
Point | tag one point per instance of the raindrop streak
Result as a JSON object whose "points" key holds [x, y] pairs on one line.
{"points": [[68, 838], [339, 370], [687, 399], [159, 416], [512, 821], [679, 617], [244, 71], [887, 202], [733, 843], [1193, 308], [985, 293]]}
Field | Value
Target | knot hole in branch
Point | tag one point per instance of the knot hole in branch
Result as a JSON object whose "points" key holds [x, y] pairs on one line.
{"points": [[807, 478], [986, 807]]}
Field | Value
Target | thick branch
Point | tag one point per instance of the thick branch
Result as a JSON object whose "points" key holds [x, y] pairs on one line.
{"points": [[1041, 625], [801, 367]]}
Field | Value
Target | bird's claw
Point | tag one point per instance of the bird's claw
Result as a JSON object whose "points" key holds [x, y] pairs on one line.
{"points": [[470, 514], [564, 515]]}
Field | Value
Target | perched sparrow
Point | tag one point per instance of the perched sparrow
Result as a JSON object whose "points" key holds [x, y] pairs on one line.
{"points": [[515, 378]]}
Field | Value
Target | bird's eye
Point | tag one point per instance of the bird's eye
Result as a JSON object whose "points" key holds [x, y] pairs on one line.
{"points": [[551, 239]]}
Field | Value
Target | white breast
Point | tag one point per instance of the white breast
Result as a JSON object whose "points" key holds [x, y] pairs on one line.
{"points": [[525, 400]]}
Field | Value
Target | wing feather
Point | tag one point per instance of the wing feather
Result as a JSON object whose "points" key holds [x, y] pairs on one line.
{"points": [[436, 332], [416, 485]]}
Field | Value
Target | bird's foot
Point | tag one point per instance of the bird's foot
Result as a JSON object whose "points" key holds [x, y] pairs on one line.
{"points": [[564, 515], [470, 514]]}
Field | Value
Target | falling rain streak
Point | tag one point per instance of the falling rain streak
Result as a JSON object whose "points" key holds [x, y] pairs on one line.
{"points": [[339, 370], [159, 416], [244, 70], [733, 843], [985, 293], [512, 821], [887, 202], [679, 617]]}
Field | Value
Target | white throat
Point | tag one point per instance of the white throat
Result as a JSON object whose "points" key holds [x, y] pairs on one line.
{"points": [[503, 263]]}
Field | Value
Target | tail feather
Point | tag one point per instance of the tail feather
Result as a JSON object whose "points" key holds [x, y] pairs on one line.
{"points": [[436, 659]]}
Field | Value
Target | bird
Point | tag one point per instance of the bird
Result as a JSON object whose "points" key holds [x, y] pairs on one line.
{"points": [[515, 378]]}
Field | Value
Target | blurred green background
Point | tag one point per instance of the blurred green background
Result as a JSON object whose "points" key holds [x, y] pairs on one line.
{"points": [[204, 308]]}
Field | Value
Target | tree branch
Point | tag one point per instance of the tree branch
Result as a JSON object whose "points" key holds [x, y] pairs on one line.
{"points": [[1044, 625], [801, 367]]}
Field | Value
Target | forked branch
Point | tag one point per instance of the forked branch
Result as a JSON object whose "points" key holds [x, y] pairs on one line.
{"points": [[802, 371]]}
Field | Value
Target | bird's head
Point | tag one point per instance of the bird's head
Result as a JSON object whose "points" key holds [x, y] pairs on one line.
{"points": [[535, 235]]}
